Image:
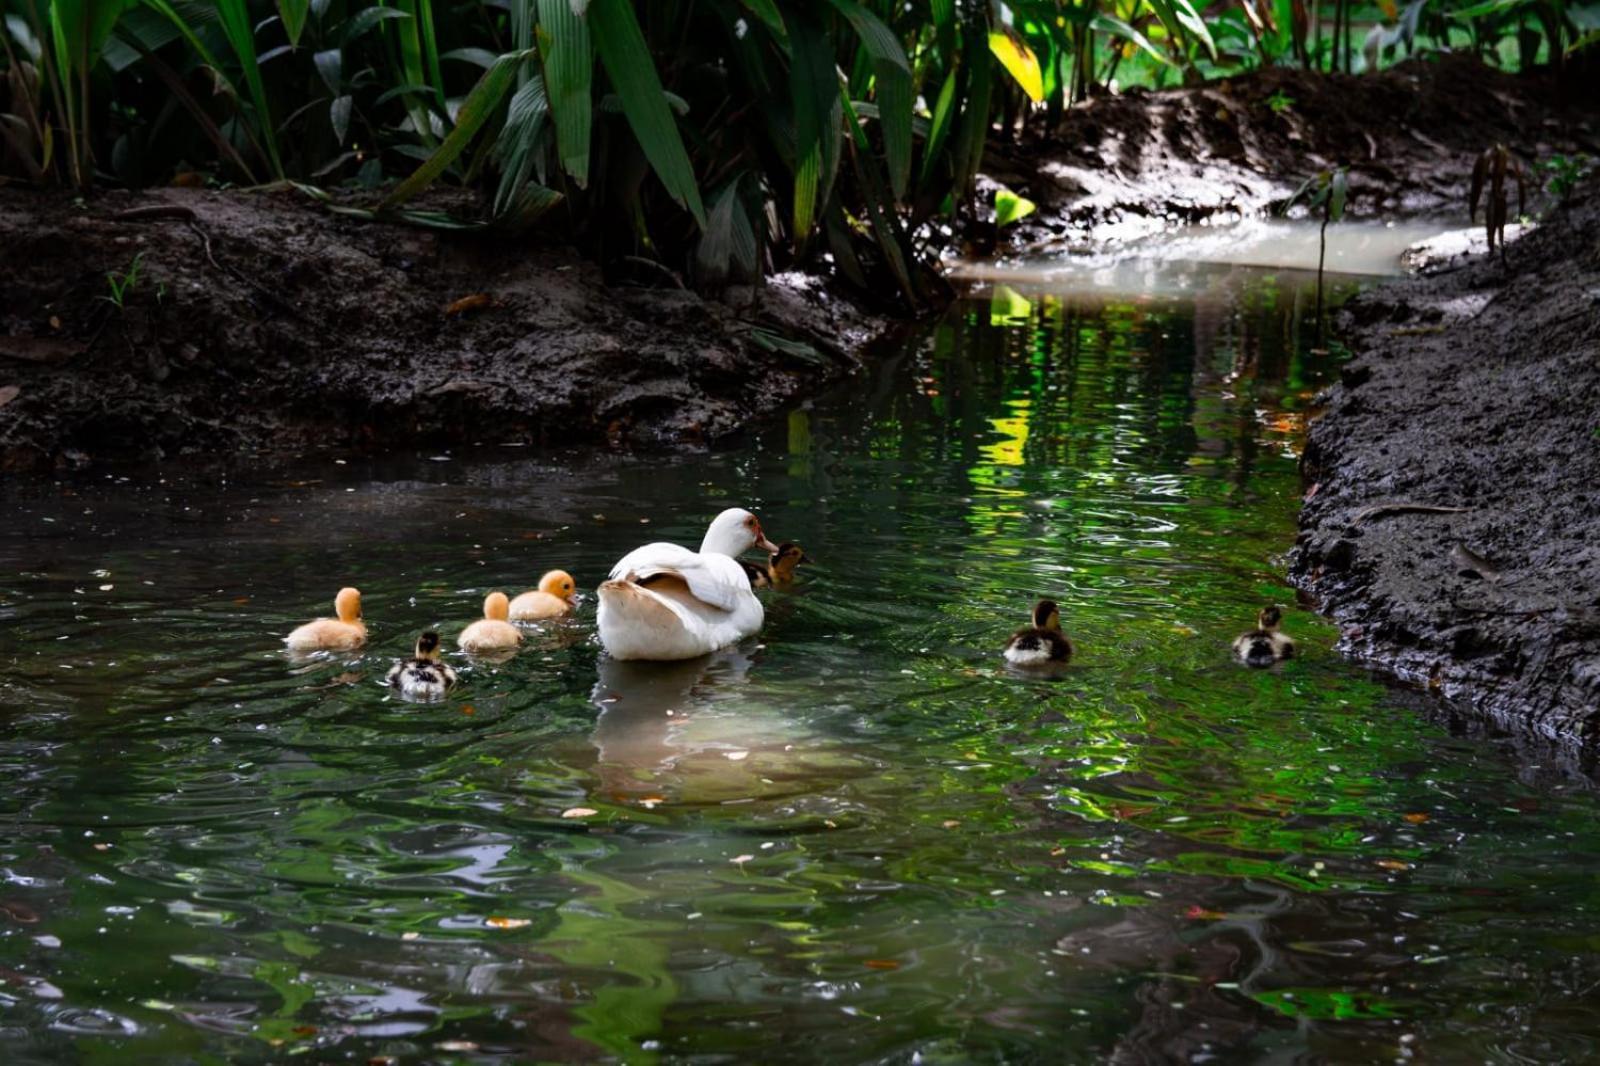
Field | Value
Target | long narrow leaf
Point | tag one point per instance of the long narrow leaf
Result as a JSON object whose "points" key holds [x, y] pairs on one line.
{"points": [[568, 60], [632, 71], [812, 84], [237, 27], [893, 80], [293, 14], [1015, 55], [943, 113], [480, 104]]}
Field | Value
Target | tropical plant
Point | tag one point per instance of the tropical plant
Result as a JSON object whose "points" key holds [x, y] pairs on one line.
{"points": [[1564, 173], [1493, 173]]}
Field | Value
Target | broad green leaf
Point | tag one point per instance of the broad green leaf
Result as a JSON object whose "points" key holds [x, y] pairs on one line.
{"points": [[878, 39], [568, 60], [480, 104], [1015, 55], [632, 70], [339, 117], [1009, 207], [293, 14], [362, 21], [330, 68], [1115, 26], [517, 148], [478, 57]]}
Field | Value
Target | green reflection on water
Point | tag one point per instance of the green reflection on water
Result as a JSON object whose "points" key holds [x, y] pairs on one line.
{"points": [[857, 838]]}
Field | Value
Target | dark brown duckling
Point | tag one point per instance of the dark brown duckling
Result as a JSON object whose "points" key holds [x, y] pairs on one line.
{"points": [[1264, 645], [779, 569], [425, 676], [1041, 644]]}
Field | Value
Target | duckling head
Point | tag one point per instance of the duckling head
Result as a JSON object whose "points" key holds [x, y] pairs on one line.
{"points": [[559, 583], [347, 605], [428, 645], [1046, 615], [786, 558], [1269, 618], [496, 608]]}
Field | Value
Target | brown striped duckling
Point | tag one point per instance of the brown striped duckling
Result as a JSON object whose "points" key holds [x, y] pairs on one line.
{"points": [[778, 571], [1041, 644], [342, 633], [492, 632], [424, 676], [555, 597], [1264, 645]]}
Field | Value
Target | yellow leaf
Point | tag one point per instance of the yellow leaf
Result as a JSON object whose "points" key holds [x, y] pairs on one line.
{"points": [[1019, 59], [1390, 12]]}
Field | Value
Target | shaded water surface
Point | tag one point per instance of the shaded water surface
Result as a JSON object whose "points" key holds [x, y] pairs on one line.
{"points": [[856, 839]]}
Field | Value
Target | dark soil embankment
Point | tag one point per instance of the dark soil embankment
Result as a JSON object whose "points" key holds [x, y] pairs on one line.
{"points": [[1142, 161], [259, 321], [1452, 518]]}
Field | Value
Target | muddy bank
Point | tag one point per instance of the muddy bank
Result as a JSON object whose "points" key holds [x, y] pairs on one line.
{"points": [[1452, 519], [1136, 163], [259, 322]]}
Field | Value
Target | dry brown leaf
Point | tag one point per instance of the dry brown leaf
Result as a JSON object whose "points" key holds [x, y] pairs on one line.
{"points": [[1416, 818], [475, 302], [506, 923], [1393, 864], [579, 812], [882, 964]]}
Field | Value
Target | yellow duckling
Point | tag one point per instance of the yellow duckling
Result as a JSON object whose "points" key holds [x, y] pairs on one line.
{"points": [[1041, 644], [1264, 645], [492, 632], [779, 568], [333, 634], [555, 597], [425, 677]]}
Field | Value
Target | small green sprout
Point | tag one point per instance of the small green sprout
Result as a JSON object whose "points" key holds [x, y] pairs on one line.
{"points": [[123, 282], [1279, 102]]}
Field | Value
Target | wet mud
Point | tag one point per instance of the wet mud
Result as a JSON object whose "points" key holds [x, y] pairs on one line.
{"points": [[259, 322], [1452, 515]]}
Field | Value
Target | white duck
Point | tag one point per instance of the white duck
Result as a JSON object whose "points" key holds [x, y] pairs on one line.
{"points": [[665, 602]]}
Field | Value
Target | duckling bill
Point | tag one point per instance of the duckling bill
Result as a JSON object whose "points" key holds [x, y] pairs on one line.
{"points": [[424, 676], [779, 568], [1264, 645], [1041, 644]]}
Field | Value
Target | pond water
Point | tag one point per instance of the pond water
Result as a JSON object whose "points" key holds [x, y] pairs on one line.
{"points": [[856, 839]]}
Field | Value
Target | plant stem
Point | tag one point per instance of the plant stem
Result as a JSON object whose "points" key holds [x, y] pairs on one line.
{"points": [[1322, 254]]}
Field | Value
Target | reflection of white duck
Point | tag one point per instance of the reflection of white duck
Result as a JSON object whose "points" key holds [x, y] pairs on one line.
{"points": [[666, 602]]}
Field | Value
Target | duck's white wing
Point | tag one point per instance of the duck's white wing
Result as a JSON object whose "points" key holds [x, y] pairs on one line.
{"points": [[713, 579]]}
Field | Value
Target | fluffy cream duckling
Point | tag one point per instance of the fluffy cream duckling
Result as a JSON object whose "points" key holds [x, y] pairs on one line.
{"points": [[492, 632], [1264, 645], [343, 633], [779, 568], [1041, 644], [426, 676], [555, 597]]}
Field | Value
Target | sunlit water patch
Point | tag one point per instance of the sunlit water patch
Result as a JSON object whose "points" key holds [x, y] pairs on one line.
{"points": [[858, 838], [1168, 264]]}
